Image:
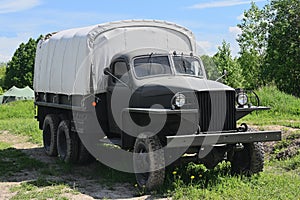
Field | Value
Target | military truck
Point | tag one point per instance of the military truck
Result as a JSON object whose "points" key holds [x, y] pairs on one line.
{"points": [[134, 95]]}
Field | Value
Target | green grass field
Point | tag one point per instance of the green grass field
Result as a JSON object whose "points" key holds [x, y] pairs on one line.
{"points": [[280, 179], [18, 118], [285, 109]]}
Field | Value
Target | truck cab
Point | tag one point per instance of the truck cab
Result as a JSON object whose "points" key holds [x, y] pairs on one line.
{"points": [[154, 78]]}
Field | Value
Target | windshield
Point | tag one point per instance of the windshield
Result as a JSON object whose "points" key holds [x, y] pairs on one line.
{"points": [[152, 66], [187, 65]]}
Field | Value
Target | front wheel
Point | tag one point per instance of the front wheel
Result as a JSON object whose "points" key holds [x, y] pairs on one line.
{"points": [[149, 161], [248, 161]]}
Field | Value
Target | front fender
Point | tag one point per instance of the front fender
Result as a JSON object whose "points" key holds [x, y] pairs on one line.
{"points": [[163, 122]]}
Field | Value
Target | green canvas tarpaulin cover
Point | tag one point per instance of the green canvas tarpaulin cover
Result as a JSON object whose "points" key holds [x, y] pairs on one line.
{"points": [[14, 94]]}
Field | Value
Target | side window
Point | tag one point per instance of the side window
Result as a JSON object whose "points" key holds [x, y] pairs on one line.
{"points": [[120, 71]]}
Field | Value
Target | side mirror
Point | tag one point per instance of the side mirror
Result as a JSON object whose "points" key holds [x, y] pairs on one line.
{"points": [[107, 71], [223, 75]]}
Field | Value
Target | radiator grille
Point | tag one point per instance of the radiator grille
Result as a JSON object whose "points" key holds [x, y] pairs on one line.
{"points": [[217, 110]]}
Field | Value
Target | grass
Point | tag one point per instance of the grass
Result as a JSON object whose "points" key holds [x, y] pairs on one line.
{"points": [[17, 109], [285, 109], [265, 186], [13, 160], [18, 118], [280, 180], [41, 189]]}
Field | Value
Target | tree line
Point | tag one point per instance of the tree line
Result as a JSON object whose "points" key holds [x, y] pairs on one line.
{"points": [[19, 71], [2, 75], [269, 52], [269, 49]]}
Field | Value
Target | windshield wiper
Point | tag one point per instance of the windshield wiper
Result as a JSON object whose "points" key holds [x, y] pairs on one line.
{"points": [[183, 63]]}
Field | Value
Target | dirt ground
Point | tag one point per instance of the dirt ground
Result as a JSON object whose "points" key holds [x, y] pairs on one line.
{"points": [[88, 188], [291, 149]]}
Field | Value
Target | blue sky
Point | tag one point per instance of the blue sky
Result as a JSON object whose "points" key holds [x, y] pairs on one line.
{"points": [[210, 20]]}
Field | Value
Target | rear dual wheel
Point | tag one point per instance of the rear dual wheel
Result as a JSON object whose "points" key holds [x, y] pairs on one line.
{"points": [[58, 139], [69, 146], [67, 143]]}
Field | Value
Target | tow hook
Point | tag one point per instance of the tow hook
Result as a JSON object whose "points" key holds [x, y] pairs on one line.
{"points": [[238, 147], [243, 128]]}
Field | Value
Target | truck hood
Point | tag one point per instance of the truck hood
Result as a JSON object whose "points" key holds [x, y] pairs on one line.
{"points": [[153, 86]]}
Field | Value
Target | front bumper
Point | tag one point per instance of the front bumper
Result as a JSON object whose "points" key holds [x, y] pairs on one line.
{"points": [[187, 134], [208, 139]]}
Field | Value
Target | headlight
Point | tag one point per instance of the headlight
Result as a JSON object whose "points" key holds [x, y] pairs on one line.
{"points": [[178, 100], [242, 99]]}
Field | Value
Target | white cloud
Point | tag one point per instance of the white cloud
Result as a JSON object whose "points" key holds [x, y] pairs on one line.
{"points": [[15, 31], [10, 44], [224, 3], [204, 44], [235, 30], [9, 6], [205, 48], [4, 58]]}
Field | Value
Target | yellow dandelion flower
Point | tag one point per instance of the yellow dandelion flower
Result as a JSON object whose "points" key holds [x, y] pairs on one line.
{"points": [[192, 177], [174, 173], [200, 175], [135, 185]]}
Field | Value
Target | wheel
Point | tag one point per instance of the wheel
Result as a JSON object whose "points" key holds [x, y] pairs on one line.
{"points": [[49, 134], [84, 156], [248, 161], [67, 143], [149, 161]]}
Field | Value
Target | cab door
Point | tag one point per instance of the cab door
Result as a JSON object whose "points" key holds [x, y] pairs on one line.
{"points": [[117, 92]]}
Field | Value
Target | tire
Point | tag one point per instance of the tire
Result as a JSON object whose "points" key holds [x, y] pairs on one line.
{"points": [[84, 157], [67, 143], [50, 126], [149, 163], [248, 161]]}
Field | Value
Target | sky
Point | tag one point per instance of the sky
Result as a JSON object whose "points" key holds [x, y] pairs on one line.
{"points": [[212, 21]]}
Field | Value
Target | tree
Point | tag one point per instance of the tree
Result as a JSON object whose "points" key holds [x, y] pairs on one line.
{"points": [[2, 75], [283, 50], [252, 66], [270, 45], [19, 70], [253, 44], [224, 61], [254, 26]]}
